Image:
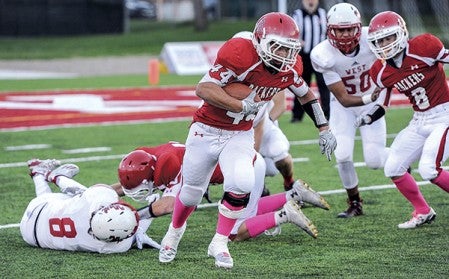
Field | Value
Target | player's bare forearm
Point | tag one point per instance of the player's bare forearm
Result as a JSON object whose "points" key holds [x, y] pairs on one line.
{"points": [[216, 96]]}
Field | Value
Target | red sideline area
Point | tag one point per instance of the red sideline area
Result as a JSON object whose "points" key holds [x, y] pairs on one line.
{"points": [[22, 110]]}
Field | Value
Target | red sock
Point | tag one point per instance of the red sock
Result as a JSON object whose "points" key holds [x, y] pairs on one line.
{"points": [[442, 180], [224, 223], [271, 203], [258, 224], [406, 184], [181, 213]]}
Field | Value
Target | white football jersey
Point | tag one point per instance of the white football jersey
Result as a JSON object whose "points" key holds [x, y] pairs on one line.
{"points": [[352, 70], [64, 221]]}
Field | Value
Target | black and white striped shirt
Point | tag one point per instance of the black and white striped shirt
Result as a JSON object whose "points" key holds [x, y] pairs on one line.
{"points": [[312, 27]]}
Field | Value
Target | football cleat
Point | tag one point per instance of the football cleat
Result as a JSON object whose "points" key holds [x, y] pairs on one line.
{"points": [[296, 216], [355, 209], [418, 220], [218, 248], [169, 243], [67, 170], [302, 192], [43, 167]]}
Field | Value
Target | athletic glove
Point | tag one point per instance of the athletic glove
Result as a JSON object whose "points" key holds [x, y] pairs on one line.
{"points": [[142, 238], [250, 106], [327, 143], [362, 120], [374, 114]]}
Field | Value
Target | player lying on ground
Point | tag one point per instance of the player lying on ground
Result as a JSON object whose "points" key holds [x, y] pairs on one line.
{"points": [[90, 219]]}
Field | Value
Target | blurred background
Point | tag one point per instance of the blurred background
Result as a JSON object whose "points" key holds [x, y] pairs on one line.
{"points": [[74, 17]]}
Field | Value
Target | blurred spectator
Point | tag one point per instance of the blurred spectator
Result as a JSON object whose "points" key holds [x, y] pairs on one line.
{"points": [[312, 22], [210, 6]]}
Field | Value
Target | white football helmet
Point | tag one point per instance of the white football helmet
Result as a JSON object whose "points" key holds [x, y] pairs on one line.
{"points": [[385, 24], [276, 32], [344, 16], [114, 223]]}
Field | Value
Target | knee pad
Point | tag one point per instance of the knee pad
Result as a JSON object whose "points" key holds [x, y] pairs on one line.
{"points": [[427, 171], [375, 158], [237, 201], [271, 169], [347, 174], [393, 167], [190, 196]]}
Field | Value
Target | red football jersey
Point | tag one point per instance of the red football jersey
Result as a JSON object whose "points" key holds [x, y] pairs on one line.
{"points": [[421, 76], [167, 170], [237, 60]]}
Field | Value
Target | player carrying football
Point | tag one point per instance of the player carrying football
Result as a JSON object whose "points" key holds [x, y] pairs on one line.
{"points": [[221, 131]]}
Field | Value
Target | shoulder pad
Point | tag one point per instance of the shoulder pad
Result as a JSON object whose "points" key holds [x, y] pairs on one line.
{"points": [[321, 56], [425, 45], [237, 53]]}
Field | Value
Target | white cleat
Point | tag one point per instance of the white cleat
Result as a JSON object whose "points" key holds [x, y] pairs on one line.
{"points": [[169, 243], [43, 167], [67, 170], [418, 220], [297, 217], [302, 192], [218, 248]]}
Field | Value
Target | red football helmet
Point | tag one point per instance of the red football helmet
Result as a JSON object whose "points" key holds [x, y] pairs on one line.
{"points": [[385, 24], [274, 33], [135, 174], [344, 16]]}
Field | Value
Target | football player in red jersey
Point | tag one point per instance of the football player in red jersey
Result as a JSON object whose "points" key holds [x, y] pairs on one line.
{"points": [[145, 169], [414, 68], [221, 131]]}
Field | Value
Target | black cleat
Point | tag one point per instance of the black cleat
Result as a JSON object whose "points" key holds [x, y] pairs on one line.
{"points": [[354, 209]]}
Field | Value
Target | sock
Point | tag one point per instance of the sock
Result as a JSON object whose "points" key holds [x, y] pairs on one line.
{"points": [[41, 186], [271, 203], [406, 184], [65, 183], [181, 213], [224, 223], [288, 182], [442, 180], [258, 224], [280, 217]]}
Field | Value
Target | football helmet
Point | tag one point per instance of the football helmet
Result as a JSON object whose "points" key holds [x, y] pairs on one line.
{"points": [[344, 16], [385, 24], [114, 223], [276, 39], [135, 174]]}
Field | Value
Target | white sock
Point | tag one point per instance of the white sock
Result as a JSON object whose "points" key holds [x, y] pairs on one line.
{"points": [[41, 186], [64, 183]]}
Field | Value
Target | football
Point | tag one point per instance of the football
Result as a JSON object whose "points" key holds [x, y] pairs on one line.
{"points": [[237, 90]]}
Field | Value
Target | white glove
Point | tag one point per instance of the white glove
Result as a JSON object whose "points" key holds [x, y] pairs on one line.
{"points": [[327, 143], [141, 236], [152, 198], [362, 120], [250, 106]]}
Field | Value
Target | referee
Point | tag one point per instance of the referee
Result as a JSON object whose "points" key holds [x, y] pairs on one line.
{"points": [[312, 23]]}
